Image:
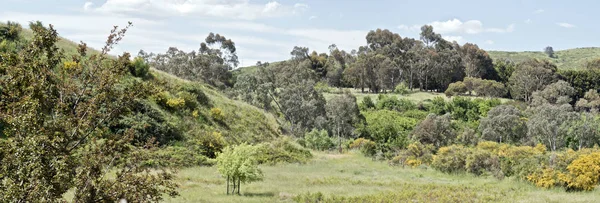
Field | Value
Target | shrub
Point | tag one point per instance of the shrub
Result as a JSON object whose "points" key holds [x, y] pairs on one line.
{"points": [[323, 87], [367, 103], [209, 144], [358, 143], [415, 153], [139, 68], [196, 90], [393, 103], [456, 88], [546, 178], [480, 161], [401, 89], [438, 106], [369, 148], [176, 103], [450, 159], [282, 150], [318, 140], [189, 99], [584, 172], [217, 115], [435, 130]]}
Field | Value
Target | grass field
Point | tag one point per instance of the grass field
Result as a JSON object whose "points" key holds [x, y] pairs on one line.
{"points": [[352, 174]]}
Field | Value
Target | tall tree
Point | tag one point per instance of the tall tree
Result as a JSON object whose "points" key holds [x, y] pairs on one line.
{"points": [[477, 62], [343, 114], [429, 37], [503, 124]]}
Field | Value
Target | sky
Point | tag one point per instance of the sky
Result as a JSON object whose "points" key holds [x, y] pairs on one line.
{"points": [[267, 30]]}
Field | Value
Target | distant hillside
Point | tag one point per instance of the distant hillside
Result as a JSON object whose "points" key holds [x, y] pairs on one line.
{"points": [[565, 59]]}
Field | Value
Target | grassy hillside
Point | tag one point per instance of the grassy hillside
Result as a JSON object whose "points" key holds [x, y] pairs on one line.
{"points": [[353, 175], [242, 122], [565, 59]]}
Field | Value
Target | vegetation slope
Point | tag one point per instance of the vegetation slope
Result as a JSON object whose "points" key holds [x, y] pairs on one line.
{"points": [[575, 58]]}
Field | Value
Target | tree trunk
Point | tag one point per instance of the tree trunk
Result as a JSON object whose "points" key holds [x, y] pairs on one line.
{"points": [[339, 139], [239, 186], [227, 185]]}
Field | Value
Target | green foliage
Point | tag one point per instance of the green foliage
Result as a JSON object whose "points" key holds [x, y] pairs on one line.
{"points": [[178, 157], [531, 76], [435, 130], [576, 58], [367, 103], [480, 161], [217, 114], [393, 103], [240, 165], [503, 124], [368, 148], [389, 129], [451, 159], [59, 119], [189, 99], [148, 123], [282, 150], [438, 106], [455, 89], [139, 68], [401, 88], [414, 155], [209, 144], [318, 140]]}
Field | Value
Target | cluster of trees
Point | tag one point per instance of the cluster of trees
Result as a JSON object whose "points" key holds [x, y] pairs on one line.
{"points": [[211, 64]]}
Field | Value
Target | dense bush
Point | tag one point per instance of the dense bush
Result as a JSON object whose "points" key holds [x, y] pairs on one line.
{"points": [[318, 140], [177, 156], [209, 144], [139, 68], [401, 88], [217, 114], [451, 159], [368, 148], [148, 122], [393, 103], [389, 129], [480, 161], [455, 89], [282, 150], [414, 155], [367, 103], [435, 130], [584, 172]]}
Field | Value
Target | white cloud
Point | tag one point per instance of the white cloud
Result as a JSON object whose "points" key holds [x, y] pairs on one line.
{"points": [[566, 25], [467, 27], [528, 21], [312, 17], [538, 11], [87, 6], [458, 39], [489, 42], [234, 9], [409, 28]]}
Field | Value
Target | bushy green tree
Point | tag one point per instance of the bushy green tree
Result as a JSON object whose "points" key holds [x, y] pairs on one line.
{"points": [[456, 88], [435, 130], [531, 76], [343, 114], [318, 140], [503, 123], [58, 114], [239, 165]]}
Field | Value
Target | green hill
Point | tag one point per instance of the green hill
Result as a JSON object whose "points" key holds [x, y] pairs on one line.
{"points": [[241, 122], [565, 59]]}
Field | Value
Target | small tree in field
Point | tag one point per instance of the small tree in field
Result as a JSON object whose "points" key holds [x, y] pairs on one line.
{"points": [[239, 165]]}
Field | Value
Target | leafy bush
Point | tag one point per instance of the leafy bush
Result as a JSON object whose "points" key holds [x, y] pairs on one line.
{"points": [[282, 150], [176, 103], [393, 103], [401, 89], [435, 130], [217, 115], [209, 144], [456, 88], [148, 123], [387, 129], [323, 87], [450, 159], [139, 68], [584, 172], [546, 178], [438, 106], [318, 140], [196, 90], [414, 155], [368, 148], [480, 161], [189, 99], [358, 143], [367, 103]]}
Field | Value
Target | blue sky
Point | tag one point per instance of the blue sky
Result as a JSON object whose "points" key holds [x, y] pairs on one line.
{"points": [[267, 30]]}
